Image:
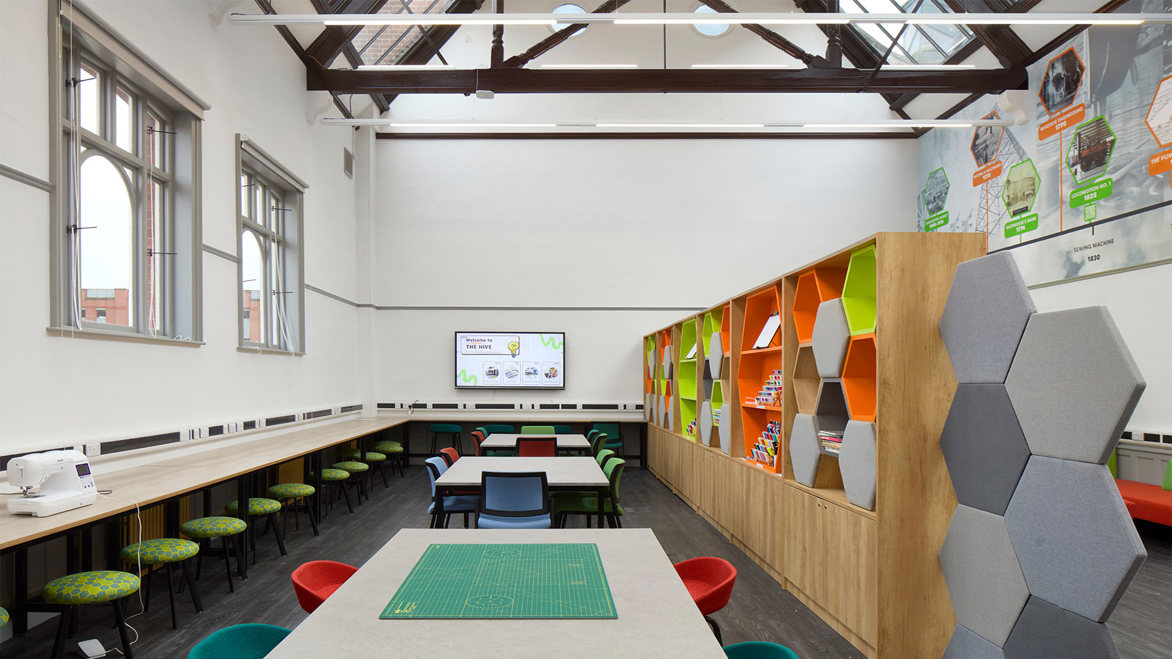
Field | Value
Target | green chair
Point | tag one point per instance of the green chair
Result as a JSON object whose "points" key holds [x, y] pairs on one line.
{"points": [[260, 507], [598, 443], [562, 430], [587, 503], [374, 459], [452, 430], [353, 467], [337, 478], [96, 587], [498, 427], [205, 529], [592, 434], [295, 497], [247, 641], [3, 617], [396, 456], [758, 650], [537, 430], [614, 439], [168, 552], [604, 455]]}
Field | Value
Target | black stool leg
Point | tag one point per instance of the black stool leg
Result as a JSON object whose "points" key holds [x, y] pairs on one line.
{"points": [[382, 474], [146, 605], [346, 496], [280, 540], [715, 629], [120, 620], [227, 565], [187, 577], [67, 614], [171, 595], [312, 516]]}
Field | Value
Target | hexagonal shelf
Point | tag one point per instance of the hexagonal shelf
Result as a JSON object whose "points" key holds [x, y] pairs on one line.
{"points": [[805, 451], [985, 583], [649, 349], [1073, 384], [831, 335], [806, 380], [813, 288], [858, 291], [984, 317], [1075, 541], [713, 341], [983, 447], [856, 463], [830, 410], [1045, 630], [858, 378], [759, 307]]}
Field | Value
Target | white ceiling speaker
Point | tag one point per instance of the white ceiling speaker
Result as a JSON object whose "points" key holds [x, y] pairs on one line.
{"points": [[1015, 104]]}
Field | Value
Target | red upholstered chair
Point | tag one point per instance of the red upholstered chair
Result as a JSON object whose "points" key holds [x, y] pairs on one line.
{"points": [[450, 455], [709, 581], [316, 580], [538, 447], [477, 437]]}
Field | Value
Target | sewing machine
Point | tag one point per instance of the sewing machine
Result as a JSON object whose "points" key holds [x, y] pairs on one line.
{"points": [[62, 478]]}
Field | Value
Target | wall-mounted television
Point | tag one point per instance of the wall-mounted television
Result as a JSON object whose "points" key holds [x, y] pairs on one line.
{"points": [[510, 360]]}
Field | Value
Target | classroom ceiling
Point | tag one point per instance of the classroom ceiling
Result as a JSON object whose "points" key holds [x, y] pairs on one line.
{"points": [[852, 59]]}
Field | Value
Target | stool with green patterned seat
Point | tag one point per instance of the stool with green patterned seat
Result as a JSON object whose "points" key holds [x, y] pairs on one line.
{"points": [[205, 529], [168, 552], [396, 456], [295, 497], [454, 431], [356, 470], [260, 507], [96, 587], [3, 616], [337, 478], [374, 459]]}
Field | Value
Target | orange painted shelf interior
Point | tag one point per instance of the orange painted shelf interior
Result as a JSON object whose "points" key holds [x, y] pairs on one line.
{"points": [[805, 378], [814, 287], [753, 423], [858, 377], [726, 328], [758, 308]]}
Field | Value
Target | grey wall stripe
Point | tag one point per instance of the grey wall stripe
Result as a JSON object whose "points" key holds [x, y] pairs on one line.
{"points": [[339, 298], [27, 179], [421, 307], [220, 253]]}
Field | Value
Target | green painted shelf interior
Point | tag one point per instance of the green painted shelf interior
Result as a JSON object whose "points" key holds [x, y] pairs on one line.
{"points": [[716, 399], [687, 415], [858, 292], [712, 321], [686, 372], [554, 580]]}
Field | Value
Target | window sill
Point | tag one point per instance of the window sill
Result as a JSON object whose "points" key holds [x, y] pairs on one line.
{"points": [[75, 333], [258, 350]]}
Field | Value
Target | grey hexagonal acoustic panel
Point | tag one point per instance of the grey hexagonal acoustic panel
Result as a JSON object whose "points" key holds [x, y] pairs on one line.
{"points": [[715, 355], [1076, 544], [1045, 630], [1074, 384], [856, 461], [831, 336], [983, 447], [705, 422], [667, 365], [984, 580], [805, 451], [983, 319], [964, 644]]}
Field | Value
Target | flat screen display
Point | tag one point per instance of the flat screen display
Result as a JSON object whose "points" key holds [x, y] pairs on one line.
{"points": [[510, 360]]}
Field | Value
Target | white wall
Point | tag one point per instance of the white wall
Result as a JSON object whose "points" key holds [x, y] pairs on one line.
{"points": [[56, 390], [636, 231]]}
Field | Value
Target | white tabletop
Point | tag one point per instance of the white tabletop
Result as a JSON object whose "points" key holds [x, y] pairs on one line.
{"points": [[565, 472], [656, 616], [498, 440]]}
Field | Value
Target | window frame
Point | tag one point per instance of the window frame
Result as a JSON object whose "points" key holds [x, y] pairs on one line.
{"points": [[281, 186]]}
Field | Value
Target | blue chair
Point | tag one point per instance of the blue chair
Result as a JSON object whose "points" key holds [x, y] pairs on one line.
{"points": [[514, 500], [758, 650], [247, 641], [454, 504]]}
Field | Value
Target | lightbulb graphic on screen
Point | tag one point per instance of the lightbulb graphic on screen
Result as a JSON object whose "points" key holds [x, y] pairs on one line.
{"points": [[510, 360]]}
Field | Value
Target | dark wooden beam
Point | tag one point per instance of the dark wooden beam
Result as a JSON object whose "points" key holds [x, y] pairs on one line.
{"points": [[559, 37], [526, 81], [874, 135], [434, 39], [286, 34], [333, 39], [1002, 41], [352, 56]]}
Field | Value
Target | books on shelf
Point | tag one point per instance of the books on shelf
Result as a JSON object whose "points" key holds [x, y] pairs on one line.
{"points": [[770, 393], [768, 331], [765, 448], [691, 353], [716, 418], [831, 441], [690, 429]]}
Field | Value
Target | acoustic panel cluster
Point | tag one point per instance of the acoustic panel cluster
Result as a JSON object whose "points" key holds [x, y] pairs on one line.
{"points": [[1041, 547]]}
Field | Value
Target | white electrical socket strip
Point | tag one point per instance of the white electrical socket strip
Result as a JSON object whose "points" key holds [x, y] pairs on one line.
{"points": [[91, 648]]}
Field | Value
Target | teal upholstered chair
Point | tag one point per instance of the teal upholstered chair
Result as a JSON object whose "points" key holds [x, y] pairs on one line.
{"points": [[261, 507], [247, 641], [614, 440], [295, 497], [562, 430], [758, 650], [499, 427], [166, 552], [206, 529], [96, 587], [452, 430]]}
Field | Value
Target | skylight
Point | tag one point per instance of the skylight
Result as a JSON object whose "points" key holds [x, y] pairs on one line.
{"points": [[387, 44], [919, 44]]}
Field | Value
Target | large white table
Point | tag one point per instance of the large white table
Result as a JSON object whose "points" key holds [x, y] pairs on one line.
{"points": [[508, 441], [561, 473], [656, 616]]}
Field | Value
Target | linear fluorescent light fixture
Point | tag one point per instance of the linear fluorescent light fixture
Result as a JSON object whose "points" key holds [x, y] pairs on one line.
{"points": [[633, 18], [405, 67], [741, 66], [669, 127], [588, 66]]}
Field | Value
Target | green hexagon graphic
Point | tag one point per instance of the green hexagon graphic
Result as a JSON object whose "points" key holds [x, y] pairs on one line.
{"points": [[935, 191], [1090, 149], [1021, 188]]}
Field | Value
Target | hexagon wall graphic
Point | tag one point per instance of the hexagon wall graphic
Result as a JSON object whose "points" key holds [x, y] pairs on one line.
{"points": [[856, 461], [831, 335], [1090, 149], [964, 644], [986, 141], [1061, 80], [935, 191], [805, 451], [984, 580], [1021, 188], [983, 447], [1076, 544], [1045, 630], [1073, 384], [1159, 116], [986, 312]]}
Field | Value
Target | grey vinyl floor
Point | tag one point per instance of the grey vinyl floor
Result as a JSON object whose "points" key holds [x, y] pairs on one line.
{"points": [[759, 608]]}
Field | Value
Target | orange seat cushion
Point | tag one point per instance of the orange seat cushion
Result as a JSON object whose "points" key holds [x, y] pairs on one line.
{"points": [[1146, 501]]}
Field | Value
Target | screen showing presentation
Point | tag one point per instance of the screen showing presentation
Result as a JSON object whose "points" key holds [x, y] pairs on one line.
{"points": [[507, 360]]}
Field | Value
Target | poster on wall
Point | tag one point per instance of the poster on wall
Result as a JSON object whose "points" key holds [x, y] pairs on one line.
{"points": [[1084, 186]]}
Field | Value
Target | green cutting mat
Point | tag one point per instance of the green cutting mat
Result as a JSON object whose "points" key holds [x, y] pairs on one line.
{"points": [[505, 581]]}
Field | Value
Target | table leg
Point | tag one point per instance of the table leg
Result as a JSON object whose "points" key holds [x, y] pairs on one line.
{"points": [[20, 581], [643, 445], [243, 494], [318, 486], [437, 521], [87, 548]]}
